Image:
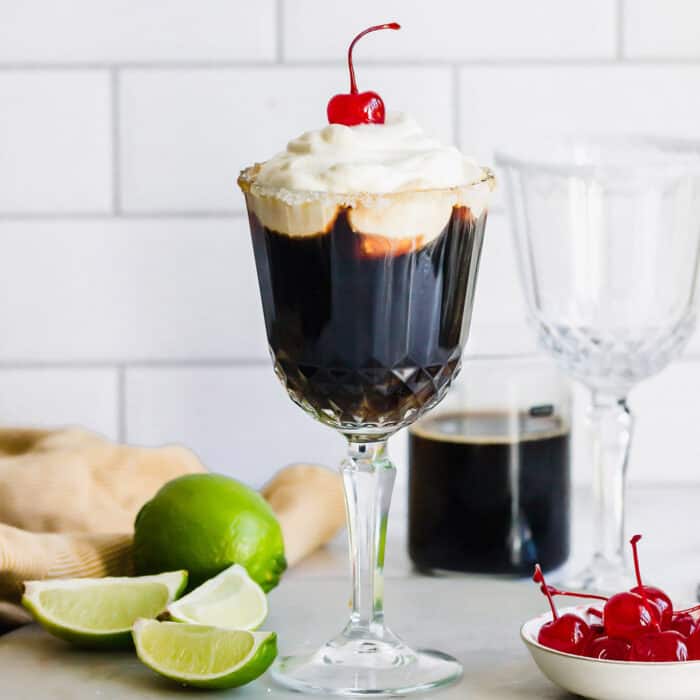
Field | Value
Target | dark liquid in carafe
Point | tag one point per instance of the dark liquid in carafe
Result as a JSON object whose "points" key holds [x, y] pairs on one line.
{"points": [[488, 496]]}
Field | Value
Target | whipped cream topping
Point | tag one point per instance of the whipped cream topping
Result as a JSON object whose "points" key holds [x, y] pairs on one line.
{"points": [[393, 180], [396, 156]]}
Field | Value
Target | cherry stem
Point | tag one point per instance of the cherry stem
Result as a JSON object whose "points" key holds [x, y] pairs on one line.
{"points": [[595, 612], [389, 25], [538, 577], [572, 594], [634, 542], [687, 611]]}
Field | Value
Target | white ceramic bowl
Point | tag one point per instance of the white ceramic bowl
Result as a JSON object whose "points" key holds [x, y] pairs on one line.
{"points": [[611, 680]]}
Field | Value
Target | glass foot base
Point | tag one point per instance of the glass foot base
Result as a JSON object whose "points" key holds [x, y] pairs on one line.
{"points": [[602, 577], [379, 666]]}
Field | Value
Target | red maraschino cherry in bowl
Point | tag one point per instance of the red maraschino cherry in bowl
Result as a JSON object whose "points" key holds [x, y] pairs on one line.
{"points": [[629, 646]]}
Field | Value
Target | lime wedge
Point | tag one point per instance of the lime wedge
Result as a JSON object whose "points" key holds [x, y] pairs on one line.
{"points": [[99, 613], [204, 656], [231, 600]]}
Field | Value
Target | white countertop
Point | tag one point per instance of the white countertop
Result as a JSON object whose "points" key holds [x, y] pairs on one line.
{"points": [[475, 618]]}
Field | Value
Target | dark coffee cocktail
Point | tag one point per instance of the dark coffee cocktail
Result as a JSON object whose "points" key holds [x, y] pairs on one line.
{"points": [[367, 235], [367, 329]]}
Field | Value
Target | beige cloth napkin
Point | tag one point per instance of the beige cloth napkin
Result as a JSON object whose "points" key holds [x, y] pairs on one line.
{"points": [[68, 499]]}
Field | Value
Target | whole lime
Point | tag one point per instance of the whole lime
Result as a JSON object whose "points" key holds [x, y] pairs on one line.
{"points": [[205, 523]]}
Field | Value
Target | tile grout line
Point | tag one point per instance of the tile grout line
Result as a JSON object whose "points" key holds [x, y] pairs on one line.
{"points": [[620, 27], [99, 216], [509, 62], [279, 28], [133, 363], [121, 403], [125, 364], [456, 107], [223, 215], [116, 143]]}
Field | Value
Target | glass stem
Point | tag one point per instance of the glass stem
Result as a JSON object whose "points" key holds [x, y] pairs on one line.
{"points": [[611, 424], [368, 479]]}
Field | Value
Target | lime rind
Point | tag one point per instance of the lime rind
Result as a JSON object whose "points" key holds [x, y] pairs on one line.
{"points": [[178, 639], [38, 593], [219, 522], [231, 600]]}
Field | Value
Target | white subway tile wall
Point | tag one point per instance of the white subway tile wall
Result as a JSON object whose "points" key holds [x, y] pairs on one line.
{"points": [[246, 425], [133, 31], [61, 397], [185, 134], [122, 290], [453, 30], [510, 105], [128, 296], [55, 141], [661, 29]]}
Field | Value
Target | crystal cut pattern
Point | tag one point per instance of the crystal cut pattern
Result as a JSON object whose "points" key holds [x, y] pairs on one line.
{"points": [[367, 342]]}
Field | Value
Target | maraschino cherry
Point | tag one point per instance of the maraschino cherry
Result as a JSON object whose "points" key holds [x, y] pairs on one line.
{"points": [[652, 594], [597, 630], [631, 614], [660, 646], [567, 633], [604, 647], [694, 644], [628, 616], [637, 625], [600, 646], [683, 623], [356, 107]]}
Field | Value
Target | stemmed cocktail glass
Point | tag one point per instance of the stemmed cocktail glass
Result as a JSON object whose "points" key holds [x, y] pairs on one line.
{"points": [[608, 234], [367, 301]]}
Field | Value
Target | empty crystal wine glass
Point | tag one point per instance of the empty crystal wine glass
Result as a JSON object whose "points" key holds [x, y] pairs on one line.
{"points": [[607, 233]]}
